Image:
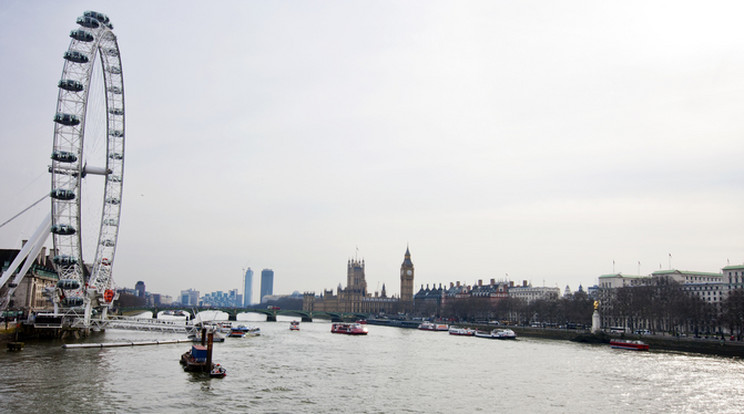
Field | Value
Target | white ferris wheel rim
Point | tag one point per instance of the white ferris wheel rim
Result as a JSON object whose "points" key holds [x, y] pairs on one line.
{"points": [[92, 39]]}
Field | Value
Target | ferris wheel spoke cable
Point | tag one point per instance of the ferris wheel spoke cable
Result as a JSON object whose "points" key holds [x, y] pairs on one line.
{"points": [[24, 210]]}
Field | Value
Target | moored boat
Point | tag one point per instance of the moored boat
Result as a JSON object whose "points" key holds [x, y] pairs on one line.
{"points": [[196, 336], [236, 333], [430, 326], [497, 334], [349, 328], [629, 345], [504, 334], [294, 326], [461, 331], [224, 327]]}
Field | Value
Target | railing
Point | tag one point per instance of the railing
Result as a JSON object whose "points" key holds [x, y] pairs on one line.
{"points": [[134, 324]]}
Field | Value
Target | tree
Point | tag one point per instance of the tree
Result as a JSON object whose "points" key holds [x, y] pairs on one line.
{"points": [[733, 312]]}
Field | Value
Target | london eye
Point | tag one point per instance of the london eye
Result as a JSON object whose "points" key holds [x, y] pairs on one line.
{"points": [[87, 157]]}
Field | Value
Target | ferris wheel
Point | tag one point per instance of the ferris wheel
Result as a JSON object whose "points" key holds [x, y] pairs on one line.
{"points": [[85, 278]]}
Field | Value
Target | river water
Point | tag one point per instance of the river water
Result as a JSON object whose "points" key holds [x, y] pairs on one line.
{"points": [[391, 370]]}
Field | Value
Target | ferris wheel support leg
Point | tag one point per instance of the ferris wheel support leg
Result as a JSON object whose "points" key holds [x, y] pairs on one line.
{"points": [[87, 313], [29, 251]]}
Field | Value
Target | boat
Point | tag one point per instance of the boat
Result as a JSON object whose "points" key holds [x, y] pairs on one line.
{"points": [[430, 326], [349, 328], [497, 334], [236, 333], [196, 336], [252, 331], [294, 326], [225, 327], [218, 371], [461, 331], [196, 360], [629, 345], [504, 334]]}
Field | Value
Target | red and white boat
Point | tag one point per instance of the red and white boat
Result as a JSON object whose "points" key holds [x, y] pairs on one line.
{"points": [[461, 331], [294, 326], [349, 328], [430, 326], [629, 345]]}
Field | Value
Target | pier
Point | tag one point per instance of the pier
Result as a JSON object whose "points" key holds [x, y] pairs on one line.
{"points": [[127, 343]]}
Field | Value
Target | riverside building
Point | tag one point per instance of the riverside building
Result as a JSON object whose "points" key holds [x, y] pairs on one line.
{"points": [[35, 289], [713, 288], [529, 294]]}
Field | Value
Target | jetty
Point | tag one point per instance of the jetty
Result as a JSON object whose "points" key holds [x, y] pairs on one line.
{"points": [[125, 343]]}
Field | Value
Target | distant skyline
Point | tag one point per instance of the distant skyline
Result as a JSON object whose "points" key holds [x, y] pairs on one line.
{"points": [[540, 140]]}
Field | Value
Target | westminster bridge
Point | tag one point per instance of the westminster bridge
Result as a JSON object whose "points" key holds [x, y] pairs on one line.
{"points": [[271, 314]]}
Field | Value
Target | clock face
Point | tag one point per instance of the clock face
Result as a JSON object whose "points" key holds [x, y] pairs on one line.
{"points": [[409, 272]]}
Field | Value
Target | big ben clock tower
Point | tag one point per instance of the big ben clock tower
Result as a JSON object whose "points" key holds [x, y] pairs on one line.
{"points": [[406, 282]]}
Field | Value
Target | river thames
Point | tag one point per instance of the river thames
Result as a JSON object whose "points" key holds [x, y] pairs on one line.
{"points": [[391, 370]]}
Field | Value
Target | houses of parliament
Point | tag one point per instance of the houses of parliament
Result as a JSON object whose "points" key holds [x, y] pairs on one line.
{"points": [[355, 298]]}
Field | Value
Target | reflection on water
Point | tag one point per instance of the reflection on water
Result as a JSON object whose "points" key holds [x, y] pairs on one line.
{"points": [[389, 370]]}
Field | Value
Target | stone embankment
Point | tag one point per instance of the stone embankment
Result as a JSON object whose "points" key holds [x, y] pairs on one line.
{"points": [[709, 346]]}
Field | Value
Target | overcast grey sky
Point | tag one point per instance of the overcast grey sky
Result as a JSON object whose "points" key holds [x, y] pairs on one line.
{"points": [[539, 139]]}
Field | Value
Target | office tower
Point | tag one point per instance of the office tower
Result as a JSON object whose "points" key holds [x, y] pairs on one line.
{"points": [[248, 288], [190, 297], [140, 288], [267, 283]]}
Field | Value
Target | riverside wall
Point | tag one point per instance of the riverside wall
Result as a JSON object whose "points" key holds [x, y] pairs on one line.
{"points": [[709, 346]]}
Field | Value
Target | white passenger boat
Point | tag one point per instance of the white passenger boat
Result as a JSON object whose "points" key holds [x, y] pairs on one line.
{"points": [[461, 331], [430, 326], [497, 334]]}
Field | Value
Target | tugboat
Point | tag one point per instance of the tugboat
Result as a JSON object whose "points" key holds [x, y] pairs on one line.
{"points": [[294, 326], [349, 328]]}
